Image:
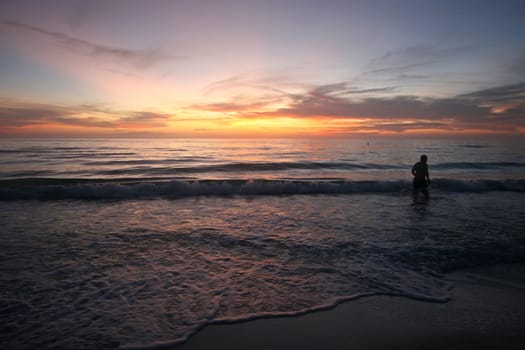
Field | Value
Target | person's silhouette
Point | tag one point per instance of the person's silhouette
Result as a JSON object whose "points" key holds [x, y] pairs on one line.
{"points": [[421, 178]]}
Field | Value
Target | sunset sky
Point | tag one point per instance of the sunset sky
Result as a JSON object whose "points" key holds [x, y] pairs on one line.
{"points": [[214, 68]]}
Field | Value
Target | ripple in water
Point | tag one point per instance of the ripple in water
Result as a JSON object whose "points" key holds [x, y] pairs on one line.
{"points": [[84, 274]]}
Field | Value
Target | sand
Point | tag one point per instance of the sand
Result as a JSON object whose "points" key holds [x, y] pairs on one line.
{"points": [[487, 311]]}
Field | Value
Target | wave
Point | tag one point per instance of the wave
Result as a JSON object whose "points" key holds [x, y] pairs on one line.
{"points": [[473, 146], [238, 167], [125, 165], [53, 189], [478, 165], [175, 167]]}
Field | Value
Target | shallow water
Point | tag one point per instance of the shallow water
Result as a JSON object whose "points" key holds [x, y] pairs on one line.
{"points": [[106, 261], [143, 271], [272, 159]]}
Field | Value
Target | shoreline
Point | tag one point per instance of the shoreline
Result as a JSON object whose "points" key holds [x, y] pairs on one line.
{"points": [[486, 311]]}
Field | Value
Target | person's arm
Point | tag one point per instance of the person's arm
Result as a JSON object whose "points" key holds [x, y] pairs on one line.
{"points": [[427, 176]]}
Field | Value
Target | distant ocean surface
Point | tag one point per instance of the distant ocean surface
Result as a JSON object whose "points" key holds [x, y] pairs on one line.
{"points": [[140, 243]]}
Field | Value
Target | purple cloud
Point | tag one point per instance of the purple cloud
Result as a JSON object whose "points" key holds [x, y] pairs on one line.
{"points": [[141, 59], [14, 114]]}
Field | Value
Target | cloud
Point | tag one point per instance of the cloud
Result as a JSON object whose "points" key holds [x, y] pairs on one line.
{"points": [[141, 59], [335, 93], [475, 110], [398, 69], [404, 126], [517, 67], [17, 114], [499, 109], [505, 102], [223, 84], [88, 122], [260, 81], [343, 88], [500, 94], [142, 118], [400, 63], [231, 107], [470, 105]]}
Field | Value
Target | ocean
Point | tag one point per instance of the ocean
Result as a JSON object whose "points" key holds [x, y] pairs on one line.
{"points": [[140, 243]]}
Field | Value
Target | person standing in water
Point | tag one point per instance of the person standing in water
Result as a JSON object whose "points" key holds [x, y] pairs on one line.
{"points": [[421, 178]]}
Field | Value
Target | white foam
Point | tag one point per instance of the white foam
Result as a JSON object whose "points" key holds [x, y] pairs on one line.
{"points": [[104, 189]]}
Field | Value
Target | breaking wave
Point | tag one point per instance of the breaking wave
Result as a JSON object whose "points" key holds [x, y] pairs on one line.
{"points": [[56, 189]]}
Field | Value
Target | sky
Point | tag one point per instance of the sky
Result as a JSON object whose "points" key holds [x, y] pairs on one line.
{"points": [[251, 68]]}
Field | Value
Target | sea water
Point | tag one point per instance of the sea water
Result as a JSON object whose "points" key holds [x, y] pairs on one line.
{"points": [[140, 243]]}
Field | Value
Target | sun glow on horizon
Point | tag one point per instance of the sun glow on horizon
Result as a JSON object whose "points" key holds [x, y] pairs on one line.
{"points": [[163, 73]]}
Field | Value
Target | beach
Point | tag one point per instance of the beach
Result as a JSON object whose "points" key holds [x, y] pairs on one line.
{"points": [[486, 311], [140, 244], [261, 175]]}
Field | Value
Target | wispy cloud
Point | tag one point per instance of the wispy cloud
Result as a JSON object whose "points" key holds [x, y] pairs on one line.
{"points": [[145, 118], [405, 63], [517, 66], [271, 96], [232, 107], [499, 94], [18, 114], [496, 109], [291, 79], [138, 58], [475, 110], [336, 90]]}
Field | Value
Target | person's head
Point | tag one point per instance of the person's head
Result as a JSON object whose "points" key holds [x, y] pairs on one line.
{"points": [[424, 158]]}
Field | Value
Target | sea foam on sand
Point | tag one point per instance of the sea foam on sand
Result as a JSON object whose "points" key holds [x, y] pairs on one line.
{"points": [[487, 311]]}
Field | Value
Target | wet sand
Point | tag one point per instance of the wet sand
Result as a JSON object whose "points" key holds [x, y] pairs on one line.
{"points": [[487, 311]]}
